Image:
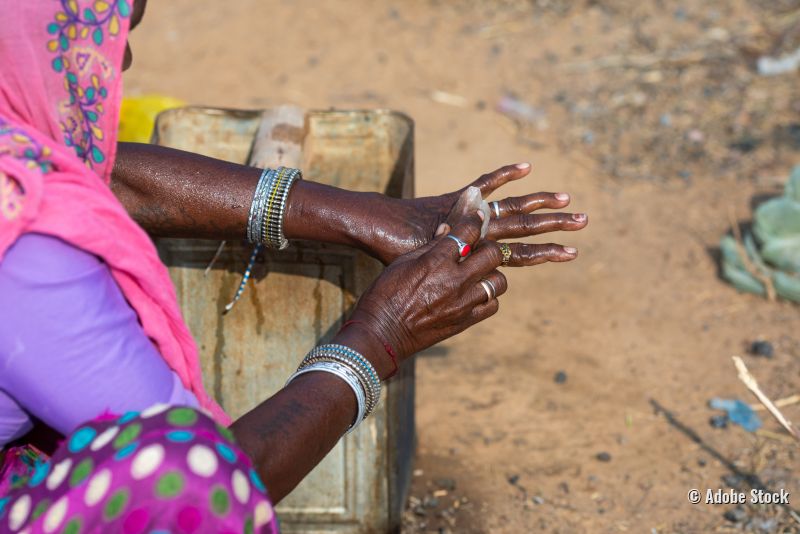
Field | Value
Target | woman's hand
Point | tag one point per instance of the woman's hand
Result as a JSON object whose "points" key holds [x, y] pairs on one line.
{"points": [[401, 225], [427, 296]]}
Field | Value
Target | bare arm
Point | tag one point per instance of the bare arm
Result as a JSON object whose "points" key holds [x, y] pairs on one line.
{"points": [[172, 193]]}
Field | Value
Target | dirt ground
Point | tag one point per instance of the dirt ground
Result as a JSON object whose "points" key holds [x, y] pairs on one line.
{"points": [[653, 117]]}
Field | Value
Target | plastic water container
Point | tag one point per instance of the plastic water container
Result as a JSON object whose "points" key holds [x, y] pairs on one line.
{"points": [[297, 298]]}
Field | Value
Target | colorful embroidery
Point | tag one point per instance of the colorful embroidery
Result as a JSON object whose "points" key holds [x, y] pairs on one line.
{"points": [[15, 142], [85, 69]]}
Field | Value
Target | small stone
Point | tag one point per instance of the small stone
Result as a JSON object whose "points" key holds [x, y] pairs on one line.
{"points": [[701, 462], [563, 486], [430, 502], [718, 421], [538, 500], [445, 483], [762, 348], [420, 511], [513, 479], [736, 515], [603, 457], [733, 481], [560, 377], [418, 472]]}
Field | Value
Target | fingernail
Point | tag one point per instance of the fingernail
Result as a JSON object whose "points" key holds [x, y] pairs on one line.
{"points": [[481, 215], [570, 250], [579, 217], [562, 196], [522, 166], [440, 230]]}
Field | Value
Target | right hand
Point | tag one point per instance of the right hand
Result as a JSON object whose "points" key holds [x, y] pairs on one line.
{"points": [[427, 295]]}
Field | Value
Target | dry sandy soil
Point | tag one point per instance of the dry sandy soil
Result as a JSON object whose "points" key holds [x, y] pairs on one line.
{"points": [[641, 319]]}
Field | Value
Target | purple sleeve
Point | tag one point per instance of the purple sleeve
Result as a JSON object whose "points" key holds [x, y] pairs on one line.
{"points": [[71, 348]]}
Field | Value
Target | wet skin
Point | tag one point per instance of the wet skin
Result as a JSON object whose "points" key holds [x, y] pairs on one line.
{"points": [[425, 295]]}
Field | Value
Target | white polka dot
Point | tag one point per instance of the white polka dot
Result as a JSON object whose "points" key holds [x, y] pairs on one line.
{"points": [[58, 474], [147, 461], [55, 515], [19, 512], [263, 514], [105, 438], [241, 486], [202, 461], [154, 410], [97, 487]]}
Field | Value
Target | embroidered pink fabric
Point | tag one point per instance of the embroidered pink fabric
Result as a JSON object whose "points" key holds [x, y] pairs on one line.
{"points": [[60, 91]]}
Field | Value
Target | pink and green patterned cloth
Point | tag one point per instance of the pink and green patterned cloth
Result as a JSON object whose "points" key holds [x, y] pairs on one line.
{"points": [[166, 469]]}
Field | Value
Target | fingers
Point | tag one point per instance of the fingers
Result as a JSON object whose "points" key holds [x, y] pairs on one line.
{"points": [[529, 203], [484, 259], [487, 288], [468, 230], [488, 183], [515, 226], [524, 254], [484, 311]]}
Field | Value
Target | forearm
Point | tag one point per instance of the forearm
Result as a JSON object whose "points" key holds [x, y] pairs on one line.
{"points": [[172, 193], [287, 435]]}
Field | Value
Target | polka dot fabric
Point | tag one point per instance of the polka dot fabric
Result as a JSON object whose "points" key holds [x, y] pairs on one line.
{"points": [[166, 470]]}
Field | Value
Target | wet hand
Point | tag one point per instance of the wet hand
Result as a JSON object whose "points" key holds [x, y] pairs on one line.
{"points": [[409, 224]]}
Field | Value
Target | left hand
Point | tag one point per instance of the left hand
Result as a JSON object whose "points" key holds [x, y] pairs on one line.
{"points": [[407, 224]]}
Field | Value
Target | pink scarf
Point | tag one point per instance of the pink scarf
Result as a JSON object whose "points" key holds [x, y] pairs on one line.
{"points": [[60, 93]]}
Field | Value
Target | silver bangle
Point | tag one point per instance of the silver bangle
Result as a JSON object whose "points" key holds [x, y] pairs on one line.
{"points": [[272, 226], [357, 362], [265, 219], [372, 401], [346, 374], [257, 207]]}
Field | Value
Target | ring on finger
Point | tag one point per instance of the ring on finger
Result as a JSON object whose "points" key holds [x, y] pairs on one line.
{"points": [[488, 286], [463, 248], [496, 208], [505, 250]]}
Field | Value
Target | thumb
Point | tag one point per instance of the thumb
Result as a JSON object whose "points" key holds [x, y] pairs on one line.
{"points": [[466, 230]]}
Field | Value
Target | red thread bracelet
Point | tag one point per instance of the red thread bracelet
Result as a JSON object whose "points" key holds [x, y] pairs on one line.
{"points": [[386, 346]]}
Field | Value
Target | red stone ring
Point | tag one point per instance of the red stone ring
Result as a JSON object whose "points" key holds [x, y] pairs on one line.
{"points": [[463, 248]]}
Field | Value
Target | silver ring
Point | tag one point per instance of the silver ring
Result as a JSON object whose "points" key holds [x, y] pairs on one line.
{"points": [[463, 248], [488, 286], [496, 207]]}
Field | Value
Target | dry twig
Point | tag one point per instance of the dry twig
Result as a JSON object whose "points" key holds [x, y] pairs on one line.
{"points": [[751, 383]]}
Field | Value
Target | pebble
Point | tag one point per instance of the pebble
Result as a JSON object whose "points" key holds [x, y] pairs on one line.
{"points": [[762, 348], [734, 481], [538, 500], [513, 479], [430, 502], [736, 515], [718, 421], [560, 377], [419, 510], [445, 483], [603, 457]]}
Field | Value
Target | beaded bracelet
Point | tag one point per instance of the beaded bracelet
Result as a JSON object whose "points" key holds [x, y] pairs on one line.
{"points": [[272, 225], [356, 361], [365, 381], [346, 374], [265, 219]]}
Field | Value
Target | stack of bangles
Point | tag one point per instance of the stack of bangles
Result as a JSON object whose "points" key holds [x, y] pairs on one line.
{"points": [[351, 367], [265, 221]]}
